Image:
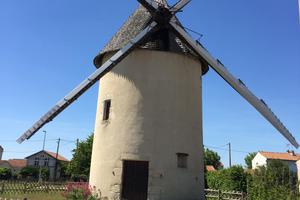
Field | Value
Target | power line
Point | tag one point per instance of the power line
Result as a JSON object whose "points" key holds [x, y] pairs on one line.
{"points": [[19, 151], [73, 141], [226, 149], [27, 140], [39, 140]]}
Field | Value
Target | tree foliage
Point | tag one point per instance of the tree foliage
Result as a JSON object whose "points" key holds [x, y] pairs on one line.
{"points": [[5, 173], [45, 173], [212, 158], [29, 172], [248, 159], [273, 182], [80, 163], [232, 179]]}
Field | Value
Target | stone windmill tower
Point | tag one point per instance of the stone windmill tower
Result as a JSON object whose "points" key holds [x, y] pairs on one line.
{"points": [[148, 133], [147, 105]]}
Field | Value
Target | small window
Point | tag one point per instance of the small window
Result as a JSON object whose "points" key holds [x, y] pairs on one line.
{"points": [[106, 109], [36, 161], [46, 163], [182, 159]]}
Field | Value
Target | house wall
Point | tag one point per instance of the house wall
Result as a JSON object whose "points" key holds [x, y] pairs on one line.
{"points": [[5, 164], [155, 113], [298, 170], [292, 165], [259, 160], [42, 157]]}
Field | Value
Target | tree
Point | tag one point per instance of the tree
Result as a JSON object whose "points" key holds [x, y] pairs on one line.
{"points": [[81, 161], [5, 173], [64, 170], [248, 159], [212, 158]]}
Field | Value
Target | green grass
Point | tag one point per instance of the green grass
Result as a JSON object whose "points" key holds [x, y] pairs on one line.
{"points": [[37, 196]]}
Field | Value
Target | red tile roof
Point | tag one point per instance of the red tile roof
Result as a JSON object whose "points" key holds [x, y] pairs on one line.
{"points": [[17, 163], [280, 156], [59, 157], [210, 168]]}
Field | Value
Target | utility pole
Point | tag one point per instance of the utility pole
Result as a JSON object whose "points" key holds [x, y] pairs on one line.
{"points": [[77, 143], [44, 142], [299, 9], [40, 167], [56, 156], [229, 153]]}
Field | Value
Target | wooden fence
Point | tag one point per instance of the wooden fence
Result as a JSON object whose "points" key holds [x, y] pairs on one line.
{"points": [[224, 195], [17, 187], [12, 187]]}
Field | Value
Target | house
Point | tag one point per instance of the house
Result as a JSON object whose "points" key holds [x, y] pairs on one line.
{"points": [[47, 159], [14, 164], [210, 168], [289, 157]]}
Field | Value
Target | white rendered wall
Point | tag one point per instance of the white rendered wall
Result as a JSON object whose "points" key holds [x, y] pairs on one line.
{"points": [[259, 160], [298, 170], [155, 113]]}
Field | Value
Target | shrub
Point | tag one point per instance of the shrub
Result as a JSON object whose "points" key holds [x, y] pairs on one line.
{"points": [[29, 172], [79, 178], [273, 182], [80, 191], [5, 173], [232, 179], [45, 174]]}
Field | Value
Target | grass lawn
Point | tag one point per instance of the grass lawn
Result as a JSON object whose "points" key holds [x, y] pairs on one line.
{"points": [[38, 196]]}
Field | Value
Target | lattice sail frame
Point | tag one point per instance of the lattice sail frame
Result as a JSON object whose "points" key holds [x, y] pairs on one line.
{"points": [[164, 16]]}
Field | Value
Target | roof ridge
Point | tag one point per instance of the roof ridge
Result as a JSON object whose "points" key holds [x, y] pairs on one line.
{"points": [[278, 152], [59, 156]]}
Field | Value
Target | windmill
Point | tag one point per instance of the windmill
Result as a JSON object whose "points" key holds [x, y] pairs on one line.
{"points": [[148, 130]]}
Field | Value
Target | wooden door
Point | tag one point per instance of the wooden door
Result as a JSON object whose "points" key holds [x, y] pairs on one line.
{"points": [[135, 180]]}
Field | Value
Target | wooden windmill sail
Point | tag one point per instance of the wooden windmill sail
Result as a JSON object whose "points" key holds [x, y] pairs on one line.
{"points": [[153, 8], [149, 109]]}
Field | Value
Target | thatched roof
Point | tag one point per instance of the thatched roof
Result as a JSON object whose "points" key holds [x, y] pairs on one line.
{"points": [[163, 40]]}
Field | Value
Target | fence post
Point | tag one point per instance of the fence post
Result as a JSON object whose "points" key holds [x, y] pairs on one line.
{"points": [[25, 187], [2, 188], [47, 187], [219, 195]]}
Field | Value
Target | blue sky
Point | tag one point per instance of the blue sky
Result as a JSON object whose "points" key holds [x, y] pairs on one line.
{"points": [[47, 48]]}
